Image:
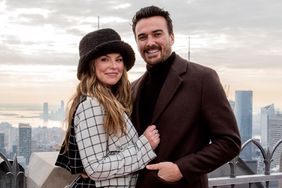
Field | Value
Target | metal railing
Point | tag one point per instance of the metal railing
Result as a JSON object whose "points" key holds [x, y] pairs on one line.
{"points": [[264, 179], [12, 175]]}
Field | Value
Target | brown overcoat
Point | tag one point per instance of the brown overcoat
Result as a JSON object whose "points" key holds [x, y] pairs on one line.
{"points": [[197, 127]]}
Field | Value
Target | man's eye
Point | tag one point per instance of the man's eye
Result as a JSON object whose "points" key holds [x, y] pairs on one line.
{"points": [[157, 34], [141, 37]]}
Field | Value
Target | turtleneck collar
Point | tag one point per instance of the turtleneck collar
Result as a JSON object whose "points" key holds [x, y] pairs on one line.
{"points": [[151, 89]]}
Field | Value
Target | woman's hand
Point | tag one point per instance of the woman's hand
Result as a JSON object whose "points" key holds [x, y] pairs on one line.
{"points": [[152, 135]]}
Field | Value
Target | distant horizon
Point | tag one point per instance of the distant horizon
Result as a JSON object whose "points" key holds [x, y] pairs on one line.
{"points": [[53, 106], [26, 106]]}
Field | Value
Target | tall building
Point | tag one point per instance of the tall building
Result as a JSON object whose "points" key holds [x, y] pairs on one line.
{"points": [[62, 106], [61, 111], [244, 117], [265, 113], [45, 111], [24, 141], [271, 131], [10, 135], [2, 143], [275, 132]]}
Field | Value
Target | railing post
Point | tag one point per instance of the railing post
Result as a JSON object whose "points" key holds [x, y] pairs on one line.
{"points": [[232, 165], [266, 179], [13, 174], [267, 184], [266, 153]]}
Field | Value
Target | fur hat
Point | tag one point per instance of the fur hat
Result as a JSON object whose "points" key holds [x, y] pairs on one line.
{"points": [[101, 42]]}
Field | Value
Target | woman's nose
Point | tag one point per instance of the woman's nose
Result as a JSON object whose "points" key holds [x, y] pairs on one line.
{"points": [[114, 63]]}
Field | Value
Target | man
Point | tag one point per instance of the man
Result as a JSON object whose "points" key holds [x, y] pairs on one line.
{"points": [[198, 130]]}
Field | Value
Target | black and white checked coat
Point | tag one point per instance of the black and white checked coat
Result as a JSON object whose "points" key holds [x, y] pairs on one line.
{"points": [[109, 160]]}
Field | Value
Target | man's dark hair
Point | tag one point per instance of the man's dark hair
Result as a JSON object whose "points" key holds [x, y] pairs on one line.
{"points": [[151, 11]]}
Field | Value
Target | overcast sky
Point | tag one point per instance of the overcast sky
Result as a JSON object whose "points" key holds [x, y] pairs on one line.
{"points": [[241, 40]]}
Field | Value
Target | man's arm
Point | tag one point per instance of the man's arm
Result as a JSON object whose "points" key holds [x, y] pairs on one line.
{"points": [[224, 136]]}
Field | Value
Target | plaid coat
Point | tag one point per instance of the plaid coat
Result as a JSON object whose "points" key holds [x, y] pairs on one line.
{"points": [[108, 160]]}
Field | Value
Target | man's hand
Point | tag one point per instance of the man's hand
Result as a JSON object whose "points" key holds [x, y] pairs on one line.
{"points": [[168, 171]]}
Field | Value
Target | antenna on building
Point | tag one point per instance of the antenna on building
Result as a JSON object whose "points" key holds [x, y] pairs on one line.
{"points": [[189, 54], [98, 22], [227, 90]]}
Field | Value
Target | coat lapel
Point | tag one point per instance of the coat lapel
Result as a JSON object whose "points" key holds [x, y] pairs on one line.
{"points": [[136, 92], [170, 87]]}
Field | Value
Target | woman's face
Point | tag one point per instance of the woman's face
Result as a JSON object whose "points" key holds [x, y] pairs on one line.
{"points": [[109, 68]]}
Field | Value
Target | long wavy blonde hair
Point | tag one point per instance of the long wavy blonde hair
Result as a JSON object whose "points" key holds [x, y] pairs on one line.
{"points": [[116, 100]]}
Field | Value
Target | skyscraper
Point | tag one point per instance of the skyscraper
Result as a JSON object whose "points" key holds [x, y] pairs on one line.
{"points": [[24, 141], [61, 111], [45, 111], [275, 132], [265, 113], [2, 143], [244, 116], [62, 107]]}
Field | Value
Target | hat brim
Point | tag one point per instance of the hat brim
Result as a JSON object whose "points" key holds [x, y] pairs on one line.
{"points": [[118, 46]]}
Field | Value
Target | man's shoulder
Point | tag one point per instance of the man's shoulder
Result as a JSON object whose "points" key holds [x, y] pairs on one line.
{"points": [[193, 66], [135, 82], [138, 80]]}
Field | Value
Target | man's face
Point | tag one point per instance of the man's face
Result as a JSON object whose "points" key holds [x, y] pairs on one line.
{"points": [[153, 39]]}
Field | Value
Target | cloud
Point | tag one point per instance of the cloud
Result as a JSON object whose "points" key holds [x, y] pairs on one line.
{"points": [[226, 33], [45, 27], [240, 39]]}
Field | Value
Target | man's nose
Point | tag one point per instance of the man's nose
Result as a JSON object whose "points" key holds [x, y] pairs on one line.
{"points": [[151, 41]]}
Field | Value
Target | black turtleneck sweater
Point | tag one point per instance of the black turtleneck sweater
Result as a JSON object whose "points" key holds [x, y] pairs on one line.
{"points": [[151, 90]]}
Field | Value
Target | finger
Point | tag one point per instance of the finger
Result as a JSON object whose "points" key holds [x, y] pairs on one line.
{"points": [[156, 139], [156, 131], [153, 166], [157, 135], [152, 127]]}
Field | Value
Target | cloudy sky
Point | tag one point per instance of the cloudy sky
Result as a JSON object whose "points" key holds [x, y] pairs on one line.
{"points": [[241, 40]]}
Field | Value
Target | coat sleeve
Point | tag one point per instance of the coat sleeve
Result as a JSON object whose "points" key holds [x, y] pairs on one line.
{"points": [[92, 141], [221, 126]]}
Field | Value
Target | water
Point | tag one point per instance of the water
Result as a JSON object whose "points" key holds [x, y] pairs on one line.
{"points": [[27, 116]]}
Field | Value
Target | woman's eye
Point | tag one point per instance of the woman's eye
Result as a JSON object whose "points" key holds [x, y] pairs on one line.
{"points": [[104, 59], [119, 60]]}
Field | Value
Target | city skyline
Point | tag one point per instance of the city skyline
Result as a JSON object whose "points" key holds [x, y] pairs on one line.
{"points": [[241, 40]]}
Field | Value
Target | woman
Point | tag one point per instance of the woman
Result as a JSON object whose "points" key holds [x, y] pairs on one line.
{"points": [[101, 143]]}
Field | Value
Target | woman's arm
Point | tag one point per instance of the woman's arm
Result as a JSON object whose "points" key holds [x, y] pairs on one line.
{"points": [[92, 142]]}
